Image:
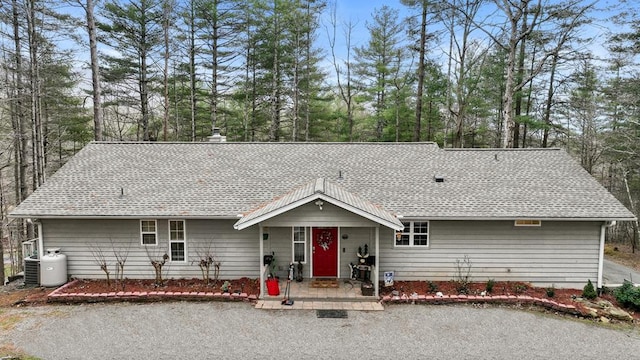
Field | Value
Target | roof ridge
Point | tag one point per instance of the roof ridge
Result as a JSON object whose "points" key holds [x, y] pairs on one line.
{"points": [[115, 142], [501, 149]]}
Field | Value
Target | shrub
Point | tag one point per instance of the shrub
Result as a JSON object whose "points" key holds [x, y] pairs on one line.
{"points": [[433, 287], [589, 292], [490, 284], [551, 291], [521, 288], [628, 296], [463, 274]]}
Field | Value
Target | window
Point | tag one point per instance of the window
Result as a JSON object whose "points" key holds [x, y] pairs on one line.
{"points": [[415, 233], [528, 223], [148, 234], [177, 240], [299, 244]]}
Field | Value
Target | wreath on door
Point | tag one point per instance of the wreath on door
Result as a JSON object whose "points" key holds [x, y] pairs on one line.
{"points": [[325, 239]]}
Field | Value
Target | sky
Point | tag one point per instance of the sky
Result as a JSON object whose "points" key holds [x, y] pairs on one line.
{"points": [[359, 12]]}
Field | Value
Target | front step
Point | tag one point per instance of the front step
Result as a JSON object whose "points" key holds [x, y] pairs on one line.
{"points": [[320, 304]]}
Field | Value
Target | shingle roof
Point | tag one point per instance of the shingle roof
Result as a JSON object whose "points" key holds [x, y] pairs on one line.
{"points": [[320, 189], [226, 179]]}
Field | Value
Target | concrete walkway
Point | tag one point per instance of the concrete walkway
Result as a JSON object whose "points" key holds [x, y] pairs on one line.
{"points": [[615, 274]]}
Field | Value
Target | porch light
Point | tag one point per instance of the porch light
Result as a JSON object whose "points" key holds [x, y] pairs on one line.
{"points": [[398, 235]]}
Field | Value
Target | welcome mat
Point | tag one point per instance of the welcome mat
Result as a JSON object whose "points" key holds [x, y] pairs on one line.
{"points": [[331, 314], [324, 283]]}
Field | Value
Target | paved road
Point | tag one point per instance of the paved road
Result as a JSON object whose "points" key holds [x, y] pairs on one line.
{"points": [[613, 273], [237, 331]]}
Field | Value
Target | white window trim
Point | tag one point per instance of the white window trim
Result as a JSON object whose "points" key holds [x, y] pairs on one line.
{"points": [[411, 234], [293, 242], [527, 222], [142, 233], [183, 241]]}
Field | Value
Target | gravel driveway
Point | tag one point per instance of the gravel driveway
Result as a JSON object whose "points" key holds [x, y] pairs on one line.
{"points": [[237, 331]]}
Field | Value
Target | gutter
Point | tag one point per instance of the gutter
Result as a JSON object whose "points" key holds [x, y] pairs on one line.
{"points": [[603, 231]]}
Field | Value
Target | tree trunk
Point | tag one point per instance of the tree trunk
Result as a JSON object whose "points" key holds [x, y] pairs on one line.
{"points": [[507, 98], [214, 67], [36, 105], [549, 102], [166, 24], [19, 125], [192, 72], [519, 81], [423, 40], [274, 129], [634, 240], [95, 72]]}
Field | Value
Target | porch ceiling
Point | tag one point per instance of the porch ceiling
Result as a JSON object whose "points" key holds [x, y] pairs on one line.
{"points": [[326, 191]]}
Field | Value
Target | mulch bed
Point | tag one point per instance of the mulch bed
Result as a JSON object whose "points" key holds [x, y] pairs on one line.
{"points": [[243, 285], [246, 289]]}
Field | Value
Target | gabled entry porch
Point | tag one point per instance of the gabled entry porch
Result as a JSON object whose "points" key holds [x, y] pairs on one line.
{"points": [[318, 229]]}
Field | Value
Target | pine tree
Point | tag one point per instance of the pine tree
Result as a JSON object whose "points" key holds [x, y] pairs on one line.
{"points": [[376, 62], [134, 31]]}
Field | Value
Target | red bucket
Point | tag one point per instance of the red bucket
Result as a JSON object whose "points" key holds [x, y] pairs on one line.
{"points": [[273, 288]]}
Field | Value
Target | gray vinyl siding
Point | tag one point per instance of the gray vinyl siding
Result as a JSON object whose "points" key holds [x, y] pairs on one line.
{"points": [[564, 254], [237, 251]]}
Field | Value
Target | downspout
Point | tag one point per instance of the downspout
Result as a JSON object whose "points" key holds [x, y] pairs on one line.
{"points": [[40, 238], [603, 231]]}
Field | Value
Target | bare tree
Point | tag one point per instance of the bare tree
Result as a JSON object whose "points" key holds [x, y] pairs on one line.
{"points": [[467, 56], [157, 262], [100, 259], [121, 254], [207, 259], [523, 18], [89, 6], [345, 85]]}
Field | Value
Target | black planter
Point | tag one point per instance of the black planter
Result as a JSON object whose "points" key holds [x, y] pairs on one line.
{"points": [[367, 289]]}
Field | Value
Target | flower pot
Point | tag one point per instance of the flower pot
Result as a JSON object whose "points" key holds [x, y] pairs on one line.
{"points": [[273, 287], [367, 289]]}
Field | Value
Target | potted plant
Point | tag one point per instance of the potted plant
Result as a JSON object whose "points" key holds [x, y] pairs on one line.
{"points": [[367, 288]]}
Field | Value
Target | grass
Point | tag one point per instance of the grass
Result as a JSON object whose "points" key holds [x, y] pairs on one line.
{"points": [[8, 322], [8, 351]]}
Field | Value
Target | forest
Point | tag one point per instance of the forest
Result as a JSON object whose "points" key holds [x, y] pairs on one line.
{"points": [[460, 73]]}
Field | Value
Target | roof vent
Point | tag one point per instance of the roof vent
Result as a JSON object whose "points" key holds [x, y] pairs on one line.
{"points": [[438, 178], [216, 137]]}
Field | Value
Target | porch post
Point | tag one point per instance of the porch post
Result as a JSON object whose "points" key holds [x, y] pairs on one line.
{"points": [[376, 281], [260, 263]]}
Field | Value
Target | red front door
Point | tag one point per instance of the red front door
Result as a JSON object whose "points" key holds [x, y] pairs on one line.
{"points": [[325, 252]]}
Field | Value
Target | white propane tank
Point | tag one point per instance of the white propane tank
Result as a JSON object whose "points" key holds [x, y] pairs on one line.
{"points": [[53, 268]]}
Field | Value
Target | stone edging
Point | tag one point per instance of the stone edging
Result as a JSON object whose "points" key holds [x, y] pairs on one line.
{"points": [[502, 299], [58, 296]]}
